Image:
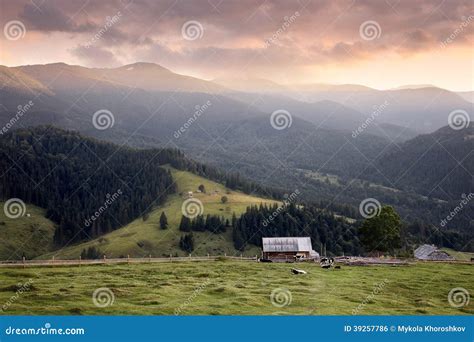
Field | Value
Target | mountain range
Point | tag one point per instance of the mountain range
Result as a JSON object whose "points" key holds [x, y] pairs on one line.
{"points": [[339, 144]]}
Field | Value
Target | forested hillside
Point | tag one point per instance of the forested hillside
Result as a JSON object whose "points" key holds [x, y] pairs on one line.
{"points": [[440, 164], [89, 187], [337, 236], [76, 179]]}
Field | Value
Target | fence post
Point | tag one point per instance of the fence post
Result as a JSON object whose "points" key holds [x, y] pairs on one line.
{"points": [[23, 262], [171, 257], [241, 256], [128, 259], [208, 256], [105, 259], [256, 257], [52, 261], [190, 256], [225, 254], [149, 257], [80, 258]]}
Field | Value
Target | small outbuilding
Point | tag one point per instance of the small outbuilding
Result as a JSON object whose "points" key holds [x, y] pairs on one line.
{"points": [[288, 248], [431, 252]]}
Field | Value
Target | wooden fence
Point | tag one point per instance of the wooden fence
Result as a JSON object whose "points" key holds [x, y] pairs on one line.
{"points": [[78, 262], [128, 260]]}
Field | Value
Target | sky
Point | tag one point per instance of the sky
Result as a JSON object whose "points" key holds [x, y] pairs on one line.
{"points": [[381, 44]]}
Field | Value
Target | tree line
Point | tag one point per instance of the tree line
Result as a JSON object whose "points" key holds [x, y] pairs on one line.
{"points": [[74, 179], [87, 187], [211, 223]]}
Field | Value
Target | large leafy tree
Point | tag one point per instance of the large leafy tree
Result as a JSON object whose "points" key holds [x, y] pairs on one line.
{"points": [[381, 233]]}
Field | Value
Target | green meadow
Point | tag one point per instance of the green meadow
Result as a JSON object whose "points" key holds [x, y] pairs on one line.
{"points": [[237, 287]]}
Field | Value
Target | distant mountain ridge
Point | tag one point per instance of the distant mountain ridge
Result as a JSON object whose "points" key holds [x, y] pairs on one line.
{"points": [[148, 76], [234, 131], [419, 109]]}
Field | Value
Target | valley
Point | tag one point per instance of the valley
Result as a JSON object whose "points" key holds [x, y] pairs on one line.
{"points": [[234, 134]]}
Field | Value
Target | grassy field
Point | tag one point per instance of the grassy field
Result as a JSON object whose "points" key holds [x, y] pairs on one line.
{"points": [[464, 256], [233, 287], [30, 235], [141, 238]]}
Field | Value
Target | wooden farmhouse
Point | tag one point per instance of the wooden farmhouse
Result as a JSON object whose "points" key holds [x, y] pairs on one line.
{"points": [[288, 248]]}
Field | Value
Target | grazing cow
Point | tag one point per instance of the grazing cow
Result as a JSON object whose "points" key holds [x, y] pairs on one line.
{"points": [[326, 262]]}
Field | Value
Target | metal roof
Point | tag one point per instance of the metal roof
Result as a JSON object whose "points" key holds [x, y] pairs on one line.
{"points": [[287, 244], [424, 251]]}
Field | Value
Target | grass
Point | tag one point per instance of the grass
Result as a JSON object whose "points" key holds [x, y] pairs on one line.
{"points": [[323, 177], [232, 287], [142, 238], [464, 256], [31, 234]]}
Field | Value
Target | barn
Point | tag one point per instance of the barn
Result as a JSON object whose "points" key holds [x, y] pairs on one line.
{"points": [[288, 248], [430, 252]]}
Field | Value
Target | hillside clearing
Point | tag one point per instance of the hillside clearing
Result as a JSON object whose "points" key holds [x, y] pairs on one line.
{"points": [[233, 287], [29, 235], [142, 238]]}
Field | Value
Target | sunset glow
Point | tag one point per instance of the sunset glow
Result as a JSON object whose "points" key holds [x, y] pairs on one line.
{"points": [[415, 42]]}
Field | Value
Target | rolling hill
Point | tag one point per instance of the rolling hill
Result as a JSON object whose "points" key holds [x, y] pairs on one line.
{"points": [[87, 188], [415, 108], [29, 235], [149, 76], [72, 177], [142, 238], [423, 110]]}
